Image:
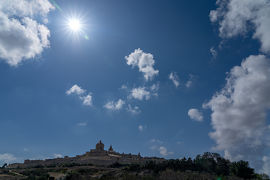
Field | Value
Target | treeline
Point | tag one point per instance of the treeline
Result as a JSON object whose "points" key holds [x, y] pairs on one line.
{"points": [[211, 163]]}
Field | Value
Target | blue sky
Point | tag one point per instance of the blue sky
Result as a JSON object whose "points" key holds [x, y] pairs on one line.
{"points": [[41, 115]]}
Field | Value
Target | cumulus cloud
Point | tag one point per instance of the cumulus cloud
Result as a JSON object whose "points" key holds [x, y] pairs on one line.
{"points": [[163, 151], [158, 145], [86, 99], [175, 79], [144, 93], [7, 158], [140, 93], [237, 17], [195, 114], [75, 89], [239, 111], [144, 61], [22, 37], [114, 106]]}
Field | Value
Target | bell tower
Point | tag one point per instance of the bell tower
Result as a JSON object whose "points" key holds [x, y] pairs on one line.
{"points": [[100, 146]]}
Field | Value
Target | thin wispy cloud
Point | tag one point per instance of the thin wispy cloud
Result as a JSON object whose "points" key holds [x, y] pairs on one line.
{"points": [[114, 105], [190, 81], [87, 100], [82, 124], [133, 109], [213, 52], [174, 78], [140, 128]]}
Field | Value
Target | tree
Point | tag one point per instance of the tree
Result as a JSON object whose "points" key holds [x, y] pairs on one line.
{"points": [[242, 169], [4, 166]]}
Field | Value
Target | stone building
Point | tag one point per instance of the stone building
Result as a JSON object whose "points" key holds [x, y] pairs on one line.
{"points": [[97, 156], [100, 146], [110, 149]]}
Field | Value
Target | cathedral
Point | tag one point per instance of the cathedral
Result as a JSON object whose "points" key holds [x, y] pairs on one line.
{"points": [[100, 148]]}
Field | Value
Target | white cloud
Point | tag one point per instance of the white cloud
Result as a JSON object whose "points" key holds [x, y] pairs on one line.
{"points": [[266, 165], [133, 110], [7, 158], [140, 128], [163, 151], [114, 106], [195, 114], [213, 52], [140, 93], [57, 155], [189, 83], [21, 36], [87, 100], [157, 145], [239, 111], [175, 79], [75, 89], [156, 141], [82, 124], [144, 61], [154, 87], [144, 93], [237, 17], [124, 87]]}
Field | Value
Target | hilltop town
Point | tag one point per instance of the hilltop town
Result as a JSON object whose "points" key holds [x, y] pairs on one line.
{"points": [[101, 164], [98, 156]]}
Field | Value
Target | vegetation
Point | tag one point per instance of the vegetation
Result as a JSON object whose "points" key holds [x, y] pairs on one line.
{"points": [[211, 163], [206, 166]]}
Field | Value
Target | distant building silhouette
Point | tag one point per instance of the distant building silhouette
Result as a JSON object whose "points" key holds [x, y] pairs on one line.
{"points": [[97, 156], [110, 149], [100, 146]]}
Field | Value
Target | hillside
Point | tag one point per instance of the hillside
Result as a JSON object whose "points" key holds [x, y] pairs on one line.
{"points": [[108, 164]]}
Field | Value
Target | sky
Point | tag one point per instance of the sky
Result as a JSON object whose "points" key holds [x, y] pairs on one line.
{"points": [[163, 78]]}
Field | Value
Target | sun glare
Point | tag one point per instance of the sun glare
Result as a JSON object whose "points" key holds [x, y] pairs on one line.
{"points": [[74, 24]]}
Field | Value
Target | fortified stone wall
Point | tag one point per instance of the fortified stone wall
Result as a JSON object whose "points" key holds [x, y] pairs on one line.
{"points": [[97, 156]]}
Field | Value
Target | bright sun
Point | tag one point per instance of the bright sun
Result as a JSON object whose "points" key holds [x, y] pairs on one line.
{"points": [[74, 24]]}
